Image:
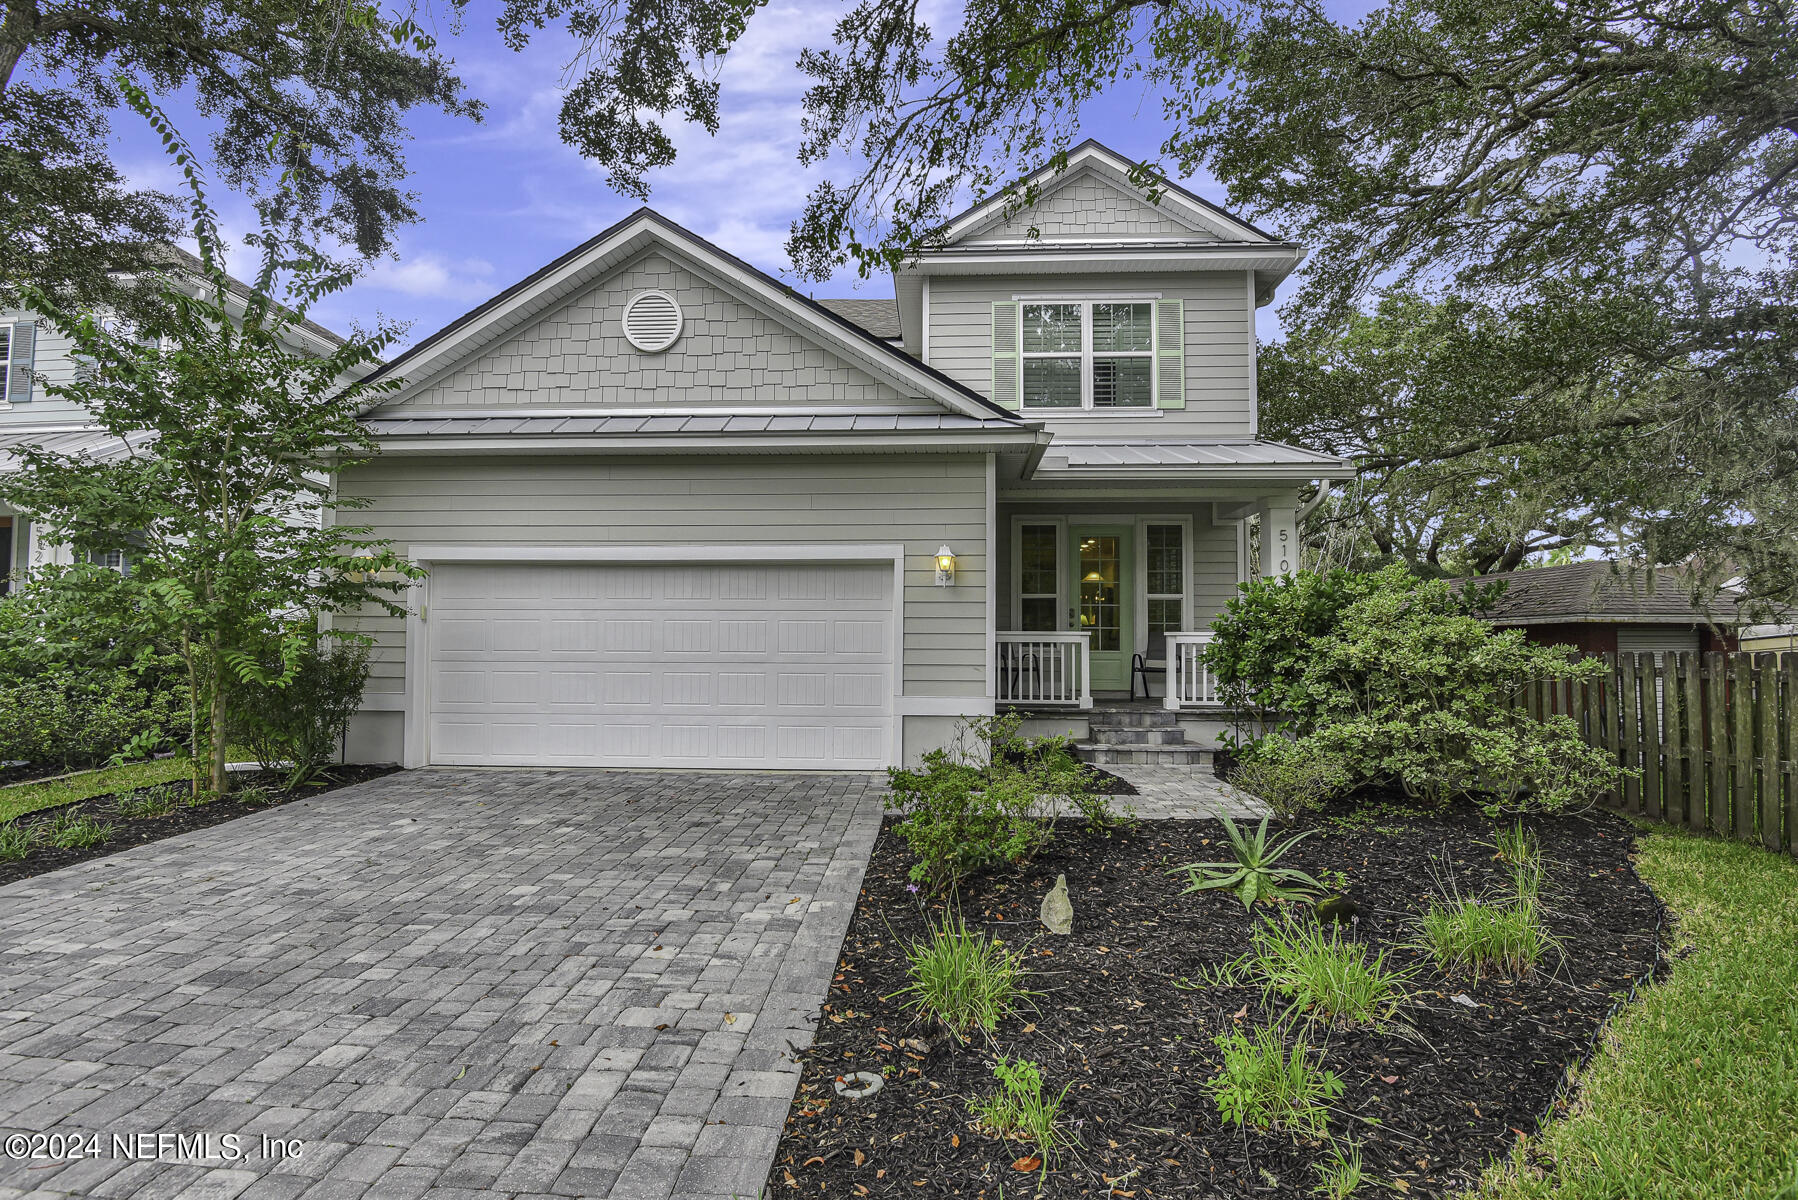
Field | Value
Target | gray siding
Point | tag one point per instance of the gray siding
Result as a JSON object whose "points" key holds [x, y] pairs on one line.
{"points": [[54, 364], [729, 353], [1088, 207], [1213, 549], [1220, 343], [920, 500]]}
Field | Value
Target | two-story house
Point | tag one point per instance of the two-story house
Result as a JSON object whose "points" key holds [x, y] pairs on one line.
{"points": [[676, 514], [34, 359]]}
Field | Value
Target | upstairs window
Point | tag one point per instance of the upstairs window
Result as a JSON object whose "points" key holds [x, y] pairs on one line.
{"points": [[1088, 354]]}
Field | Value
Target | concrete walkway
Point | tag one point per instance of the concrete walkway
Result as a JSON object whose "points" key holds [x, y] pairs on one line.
{"points": [[441, 983]]}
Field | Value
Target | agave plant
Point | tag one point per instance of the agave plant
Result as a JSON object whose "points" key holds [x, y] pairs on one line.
{"points": [[1253, 876]]}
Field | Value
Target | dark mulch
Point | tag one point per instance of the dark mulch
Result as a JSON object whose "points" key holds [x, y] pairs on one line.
{"points": [[26, 772], [1104, 783], [1114, 1020], [136, 831]]}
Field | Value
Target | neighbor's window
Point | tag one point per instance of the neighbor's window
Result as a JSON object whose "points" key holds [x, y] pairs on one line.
{"points": [[112, 559], [1166, 578], [1039, 593], [1088, 354], [5, 361]]}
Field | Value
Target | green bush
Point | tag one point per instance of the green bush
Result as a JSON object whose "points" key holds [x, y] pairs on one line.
{"points": [[1265, 1085], [986, 800], [79, 619], [962, 979], [1393, 681], [1291, 779], [297, 725], [82, 718]]}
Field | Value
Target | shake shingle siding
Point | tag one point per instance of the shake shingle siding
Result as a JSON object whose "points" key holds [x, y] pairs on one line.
{"points": [[1087, 207], [729, 354]]}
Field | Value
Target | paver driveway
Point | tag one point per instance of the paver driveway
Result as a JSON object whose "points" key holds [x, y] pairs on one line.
{"points": [[441, 983]]}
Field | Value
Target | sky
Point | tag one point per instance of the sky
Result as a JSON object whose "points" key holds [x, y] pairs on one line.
{"points": [[502, 198]]}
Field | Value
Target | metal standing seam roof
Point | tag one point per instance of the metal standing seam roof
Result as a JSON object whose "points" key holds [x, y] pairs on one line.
{"points": [[1091, 455], [679, 424], [65, 440]]}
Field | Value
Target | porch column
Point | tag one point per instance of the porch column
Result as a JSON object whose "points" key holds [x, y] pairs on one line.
{"points": [[1279, 536]]}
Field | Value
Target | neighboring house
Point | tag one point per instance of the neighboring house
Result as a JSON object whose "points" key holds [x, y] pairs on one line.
{"points": [[35, 357], [676, 514], [1777, 638], [1602, 608]]}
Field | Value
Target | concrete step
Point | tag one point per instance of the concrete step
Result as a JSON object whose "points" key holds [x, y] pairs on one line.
{"points": [[1102, 753], [1135, 718], [1130, 735]]}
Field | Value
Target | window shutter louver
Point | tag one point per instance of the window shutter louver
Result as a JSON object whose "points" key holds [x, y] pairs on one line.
{"points": [[1170, 354], [1007, 382], [24, 348]]}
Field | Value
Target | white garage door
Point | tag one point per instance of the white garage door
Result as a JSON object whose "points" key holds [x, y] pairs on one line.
{"points": [[676, 665]]}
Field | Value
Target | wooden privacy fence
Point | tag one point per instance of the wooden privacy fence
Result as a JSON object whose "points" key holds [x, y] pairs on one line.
{"points": [[1715, 737]]}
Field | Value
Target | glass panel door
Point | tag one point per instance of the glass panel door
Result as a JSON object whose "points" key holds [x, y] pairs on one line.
{"points": [[1102, 566]]}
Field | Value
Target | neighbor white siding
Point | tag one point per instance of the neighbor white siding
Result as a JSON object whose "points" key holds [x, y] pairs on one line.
{"points": [[1220, 345], [54, 364], [729, 353], [921, 501]]}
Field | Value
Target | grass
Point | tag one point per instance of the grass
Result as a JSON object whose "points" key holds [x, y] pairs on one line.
{"points": [[1321, 976], [1265, 1085], [1019, 1108], [30, 797], [1470, 936], [1694, 1093], [66, 831], [963, 979], [1338, 1173]]}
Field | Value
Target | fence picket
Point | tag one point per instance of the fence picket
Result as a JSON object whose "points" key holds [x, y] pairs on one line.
{"points": [[1789, 761], [1653, 802], [1766, 772], [1673, 778], [1628, 670], [1716, 745], [1742, 748]]}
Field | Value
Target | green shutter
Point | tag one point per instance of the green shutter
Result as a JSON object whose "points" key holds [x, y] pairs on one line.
{"points": [[1008, 388], [24, 347], [1170, 354]]}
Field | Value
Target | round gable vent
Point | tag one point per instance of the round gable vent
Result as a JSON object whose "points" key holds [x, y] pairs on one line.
{"points": [[652, 321]]}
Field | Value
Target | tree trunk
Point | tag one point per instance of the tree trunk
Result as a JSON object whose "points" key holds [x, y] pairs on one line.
{"points": [[216, 739]]}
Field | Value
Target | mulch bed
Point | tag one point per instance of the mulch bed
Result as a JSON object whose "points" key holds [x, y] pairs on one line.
{"points": [[136, 831], [26, 772], [1121, 1020]]}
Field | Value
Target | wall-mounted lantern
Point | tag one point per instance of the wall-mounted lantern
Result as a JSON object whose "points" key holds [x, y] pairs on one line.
{"points": [[945, 566]]}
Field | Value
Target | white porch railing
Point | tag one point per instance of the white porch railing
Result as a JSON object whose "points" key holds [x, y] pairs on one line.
{"points": [[1044, 668], [1189, 679]]}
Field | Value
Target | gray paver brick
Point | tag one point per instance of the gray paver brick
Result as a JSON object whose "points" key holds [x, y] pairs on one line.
{"points": [[443, 980]]}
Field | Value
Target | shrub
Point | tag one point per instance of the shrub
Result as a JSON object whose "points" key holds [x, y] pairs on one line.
{"points": [[962, 979], [1396, 682], [985, 800], [1019, 1108], [1322, 976], [1265, 1085], [82, 718], [1253, 876], [1290, 778], [16, 841], [296, 726]]}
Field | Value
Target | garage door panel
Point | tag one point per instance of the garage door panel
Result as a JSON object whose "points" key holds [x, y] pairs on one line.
{"points": [[662, 665]]}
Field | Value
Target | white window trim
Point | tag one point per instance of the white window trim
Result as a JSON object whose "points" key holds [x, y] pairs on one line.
{"points": [[6, 369], [1016, 601], [1087, 355]]}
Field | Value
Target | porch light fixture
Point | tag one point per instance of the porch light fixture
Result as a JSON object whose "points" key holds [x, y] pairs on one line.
{"points": [[945, 566]]}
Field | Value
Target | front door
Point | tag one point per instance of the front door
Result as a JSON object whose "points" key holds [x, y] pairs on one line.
{"points": [[1101, 561]]}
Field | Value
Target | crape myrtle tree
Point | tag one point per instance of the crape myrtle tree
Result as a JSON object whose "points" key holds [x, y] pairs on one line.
{"points": [[1612, 188], [225, 509], [309, 99]]}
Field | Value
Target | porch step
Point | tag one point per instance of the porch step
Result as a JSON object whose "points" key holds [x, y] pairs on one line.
{"points": [[1103, 753], [1133, 717], [1132, 735]]}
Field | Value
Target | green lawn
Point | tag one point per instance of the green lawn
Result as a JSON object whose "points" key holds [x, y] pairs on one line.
{"points": [[16, 801], [1695, 1094]]}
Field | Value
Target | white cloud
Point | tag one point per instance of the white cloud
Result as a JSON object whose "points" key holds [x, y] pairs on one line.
{"points": [[434, 276]]}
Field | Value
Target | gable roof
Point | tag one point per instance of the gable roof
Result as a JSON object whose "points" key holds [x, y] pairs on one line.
{"points": [[593, 259], [879, 316], [1602, 592], [1094, 157]]}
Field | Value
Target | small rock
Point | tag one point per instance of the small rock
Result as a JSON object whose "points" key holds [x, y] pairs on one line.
{"points": [[859, 1085], [1464, 1000], [1058, 910], [1337, 910]]}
